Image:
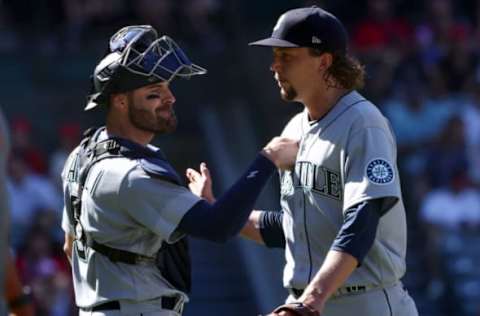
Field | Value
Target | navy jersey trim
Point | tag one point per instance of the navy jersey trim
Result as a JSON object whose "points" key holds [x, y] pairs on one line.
{"points": [[357, 234], [271, 230]]}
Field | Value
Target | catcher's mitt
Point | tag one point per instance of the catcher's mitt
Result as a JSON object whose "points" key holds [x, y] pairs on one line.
{"points": [[295, 309]]}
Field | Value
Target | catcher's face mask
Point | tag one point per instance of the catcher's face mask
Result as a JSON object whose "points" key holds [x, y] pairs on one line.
{"points": [[137, 57], [144, 54]]}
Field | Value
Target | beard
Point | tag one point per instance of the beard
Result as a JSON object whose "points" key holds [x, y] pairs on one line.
{"points": [[152, 122], [288, 93]]}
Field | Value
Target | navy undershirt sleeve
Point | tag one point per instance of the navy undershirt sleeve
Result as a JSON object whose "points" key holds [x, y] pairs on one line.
{"points": [[271, 230], [359, 229], [227, 216]]}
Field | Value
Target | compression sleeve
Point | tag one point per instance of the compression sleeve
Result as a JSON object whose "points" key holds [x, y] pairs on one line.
{"points": [[359, 229], [271, 230], [226, 217]]}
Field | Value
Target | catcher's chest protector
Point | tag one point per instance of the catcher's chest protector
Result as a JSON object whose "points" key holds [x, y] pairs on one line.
{"points": [[173, 260]]}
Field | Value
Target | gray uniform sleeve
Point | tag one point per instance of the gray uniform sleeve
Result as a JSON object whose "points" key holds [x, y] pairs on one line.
{"points": [[156, 204], [370, 170]]}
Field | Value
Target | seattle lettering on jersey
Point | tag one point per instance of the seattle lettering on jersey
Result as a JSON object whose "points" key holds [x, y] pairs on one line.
{"points": [[317, 178]]}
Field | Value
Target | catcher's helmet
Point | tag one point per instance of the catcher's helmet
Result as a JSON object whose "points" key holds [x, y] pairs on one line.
{"points": [[136, 57]]}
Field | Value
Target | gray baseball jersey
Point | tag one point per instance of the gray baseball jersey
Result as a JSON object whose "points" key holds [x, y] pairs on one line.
{"points": [[346, 157], [4, 209], [124, 208]]}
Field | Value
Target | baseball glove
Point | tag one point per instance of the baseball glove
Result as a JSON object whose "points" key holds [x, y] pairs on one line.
{"points": [[295, 309]]}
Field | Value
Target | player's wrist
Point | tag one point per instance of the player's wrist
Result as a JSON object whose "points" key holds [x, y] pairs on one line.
{"points": [[210, 199], [267, 152], [270, 154], [314, 304], [314, 298]]}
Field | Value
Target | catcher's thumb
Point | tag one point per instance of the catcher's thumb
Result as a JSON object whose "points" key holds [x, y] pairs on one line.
{"points": [[204, 170]]}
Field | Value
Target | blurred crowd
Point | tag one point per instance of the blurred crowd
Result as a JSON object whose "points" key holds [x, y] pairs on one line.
{"points": [[423, 66], [425, 76], [68, 24]]}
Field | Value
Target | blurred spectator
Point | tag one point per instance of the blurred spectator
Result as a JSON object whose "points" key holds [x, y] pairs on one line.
{"points": [[448, 155], [458, 66], [447, 211], [29, 195], [380, 80], [440, 31], [382, 40], [200, 19], [68, 139], [453, 206], [24, 148], [415, 122], [471, 119], [103, 15], [46, 270], [441, 98], [18, 297], [160, 14], [381, 32]]}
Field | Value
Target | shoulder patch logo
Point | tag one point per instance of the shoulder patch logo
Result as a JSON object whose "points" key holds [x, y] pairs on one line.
{"points": [[379, 171]]}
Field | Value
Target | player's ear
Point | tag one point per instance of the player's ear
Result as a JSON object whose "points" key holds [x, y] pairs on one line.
{"points": [[325, 60], [119, 101]]}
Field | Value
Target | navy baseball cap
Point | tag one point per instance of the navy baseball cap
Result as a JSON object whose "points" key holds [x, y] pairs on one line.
{"points": [[308, 27]]}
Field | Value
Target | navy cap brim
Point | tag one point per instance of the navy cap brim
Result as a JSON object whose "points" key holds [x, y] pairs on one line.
{"points": [[273, 42]]}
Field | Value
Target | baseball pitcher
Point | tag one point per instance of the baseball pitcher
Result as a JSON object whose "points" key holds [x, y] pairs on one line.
{"points": [[342, 221]]}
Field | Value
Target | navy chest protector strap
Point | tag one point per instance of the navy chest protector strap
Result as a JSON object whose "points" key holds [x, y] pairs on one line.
{"points": [[173, 260]]}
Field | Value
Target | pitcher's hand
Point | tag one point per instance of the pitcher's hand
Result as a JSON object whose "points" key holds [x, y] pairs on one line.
{"points": [[282, 152]]}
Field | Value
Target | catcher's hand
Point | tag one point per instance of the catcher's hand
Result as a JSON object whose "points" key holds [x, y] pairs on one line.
{"points": [[201, 182], [294, 309]]}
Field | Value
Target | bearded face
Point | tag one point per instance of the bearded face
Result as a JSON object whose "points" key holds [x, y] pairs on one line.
{"points": [[287, 91], [150, 109]]}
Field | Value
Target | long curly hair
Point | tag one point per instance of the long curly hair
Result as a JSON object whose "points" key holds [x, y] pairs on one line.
{"points": [[345, 72]]}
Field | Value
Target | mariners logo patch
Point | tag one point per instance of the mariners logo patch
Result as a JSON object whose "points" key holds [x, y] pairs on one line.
{"points": [[379, 171]]}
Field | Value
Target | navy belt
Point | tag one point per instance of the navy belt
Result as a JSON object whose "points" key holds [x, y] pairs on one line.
{"points": [[168, 303]]}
